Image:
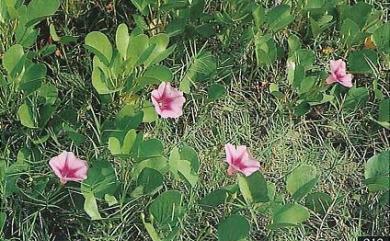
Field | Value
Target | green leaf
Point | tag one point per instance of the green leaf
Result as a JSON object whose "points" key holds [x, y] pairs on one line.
{"points": [[13, 60], [99, 83], [90, 206], [216, 91], [314, 4], [101, 179], [11, 176], [166, 208], [182, 168], [307, 84], [100, 45], [53, 33], [319, 25], [253, 188], [175, 27], [258, 14], [153, 75], [279, 17], [160, 42], [319, 202], [294, 43], [356, 98], [305, 58], [302, 109], [3, 219], [206, 30], [350, 32], [137, 46], [159, 72], [142, 5], [381, 38], [26, 116], [295, 75], [122, 146], [149, 181], [233, 228], [150, 148], [128, 118], [289, 215], [110, 199], [203, 66], [174, 4], [122, 40], [32, 78], [265, 48], [40, 9], [214, 199], [186, 153], [49, 92], [376, 172], [274, 90], [150, 114], [158, 163], [384, 113], [47, 50], [362, 61], [150, 228], [358, 13], [301, 180], [271, 187], [45, 113]]}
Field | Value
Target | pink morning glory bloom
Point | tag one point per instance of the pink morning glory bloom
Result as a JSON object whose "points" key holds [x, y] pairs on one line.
{"points": [[68, 167], [168, 101], [240, 160], [338, 74]]}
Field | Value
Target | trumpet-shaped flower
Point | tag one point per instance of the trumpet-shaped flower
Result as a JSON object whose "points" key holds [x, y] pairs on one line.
{"points": [[168, 101], [240, 160], [338, 74], [68, 167]]}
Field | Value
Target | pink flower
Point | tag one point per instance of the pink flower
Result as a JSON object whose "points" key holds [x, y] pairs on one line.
{"points": [[338, 74], [68, 167], [239, 160], [168, 101]]}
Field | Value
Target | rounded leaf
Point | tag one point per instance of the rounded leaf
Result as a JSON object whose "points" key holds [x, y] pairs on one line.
{"points": [[289, 215], [99, 44], [122, 39], [301, 180], [166, 207], [376, 172], [233, 228]]}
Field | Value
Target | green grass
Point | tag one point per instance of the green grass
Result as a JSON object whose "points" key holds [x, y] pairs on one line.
{"points": [[336, 143], [282, 144]]}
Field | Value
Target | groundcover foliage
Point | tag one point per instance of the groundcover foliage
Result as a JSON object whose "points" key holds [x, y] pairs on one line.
{"points": [[194, 119]]}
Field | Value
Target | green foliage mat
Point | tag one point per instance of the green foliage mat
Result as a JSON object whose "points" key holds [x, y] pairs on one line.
{"points": [[78, 76]]}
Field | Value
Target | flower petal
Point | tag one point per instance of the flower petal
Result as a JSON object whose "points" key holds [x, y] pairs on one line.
{"points": [[230, 150], [231, 170], [242, 153], [250, 170], [330, 80], [68, 167], [346, 80], [250, 167], [337, 66], [57, 163], [168, 101], [163, 87]]}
